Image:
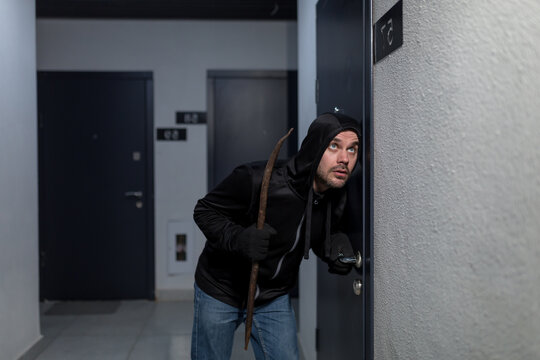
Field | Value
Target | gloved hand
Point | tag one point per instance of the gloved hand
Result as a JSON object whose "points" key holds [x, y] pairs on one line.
{"points": [[253, 243], [340, 246]]}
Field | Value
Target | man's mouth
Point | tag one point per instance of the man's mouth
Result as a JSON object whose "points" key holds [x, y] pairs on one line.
{"points": [[340, 172]]}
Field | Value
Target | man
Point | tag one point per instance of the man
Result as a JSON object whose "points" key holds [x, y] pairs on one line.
{"points": [[306, 200]]}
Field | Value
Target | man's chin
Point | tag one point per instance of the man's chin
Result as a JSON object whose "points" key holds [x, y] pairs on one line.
{"points": [[338, 183]]}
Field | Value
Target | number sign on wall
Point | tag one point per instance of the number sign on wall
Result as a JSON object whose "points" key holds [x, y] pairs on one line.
{"points": [[190, 117], [388, 31], [173, 134]]}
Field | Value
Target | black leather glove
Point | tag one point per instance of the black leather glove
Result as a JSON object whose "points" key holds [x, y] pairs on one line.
{"points": [[253, 243], [340, 246]]}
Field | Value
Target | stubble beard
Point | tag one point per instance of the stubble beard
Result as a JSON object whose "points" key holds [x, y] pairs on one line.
{"points": [[329, 180]]}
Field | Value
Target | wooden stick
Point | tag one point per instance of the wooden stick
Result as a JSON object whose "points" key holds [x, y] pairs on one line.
{"points": [[260, 222]]}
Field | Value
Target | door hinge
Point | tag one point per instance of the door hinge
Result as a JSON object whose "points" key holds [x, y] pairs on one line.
{"points": [[316, 91], [317, 334]]}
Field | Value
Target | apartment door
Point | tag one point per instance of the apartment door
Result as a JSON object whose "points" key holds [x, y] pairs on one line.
{"points": [[95, 185], [248, 112], [345, 317]]}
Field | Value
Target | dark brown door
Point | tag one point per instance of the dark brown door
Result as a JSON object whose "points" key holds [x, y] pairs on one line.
{"points": [[95, 185], [344, 318]]}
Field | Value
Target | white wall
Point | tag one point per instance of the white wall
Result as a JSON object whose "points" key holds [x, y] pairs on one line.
{"points": [[307, 111], [179, 54], [19, 280], [457, 183]]}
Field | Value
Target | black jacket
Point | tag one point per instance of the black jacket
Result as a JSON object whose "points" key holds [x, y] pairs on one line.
{"points": [[292, 208]]}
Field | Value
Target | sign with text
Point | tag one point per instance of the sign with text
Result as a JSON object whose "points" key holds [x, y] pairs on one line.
{"points": [[190, 117], [171, 134], [388, 32]]}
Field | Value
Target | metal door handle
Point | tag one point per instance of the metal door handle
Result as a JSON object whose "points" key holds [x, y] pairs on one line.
{"points": [[356, 260], [135, 194]]}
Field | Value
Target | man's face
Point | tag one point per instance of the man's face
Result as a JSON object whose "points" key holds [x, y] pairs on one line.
{"points": [[337, 162]]}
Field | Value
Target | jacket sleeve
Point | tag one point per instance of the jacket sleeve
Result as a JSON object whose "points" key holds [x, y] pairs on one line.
{"points": [[224, 211]]}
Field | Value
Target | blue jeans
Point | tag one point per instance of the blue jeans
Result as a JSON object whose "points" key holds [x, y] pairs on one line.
{"points": [[273, 334]]}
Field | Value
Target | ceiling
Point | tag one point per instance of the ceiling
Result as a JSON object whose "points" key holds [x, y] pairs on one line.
{"points": [[169, 9]]}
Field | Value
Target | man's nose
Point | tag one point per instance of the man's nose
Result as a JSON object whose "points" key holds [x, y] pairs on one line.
{"points": [[343, 157]]}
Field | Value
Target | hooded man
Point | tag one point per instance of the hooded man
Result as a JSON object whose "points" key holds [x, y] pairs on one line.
{"points": [[306, 199]]}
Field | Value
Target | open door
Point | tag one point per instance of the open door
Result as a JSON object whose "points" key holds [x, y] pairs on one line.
{"points": [[344, 67]]}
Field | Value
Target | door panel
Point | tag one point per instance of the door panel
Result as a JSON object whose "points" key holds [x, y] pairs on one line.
{"points": [[95, 147], [249, 111], [344, 320]]}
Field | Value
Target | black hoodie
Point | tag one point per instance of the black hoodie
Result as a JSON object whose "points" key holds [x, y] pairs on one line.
{"points": [[303, 220]]}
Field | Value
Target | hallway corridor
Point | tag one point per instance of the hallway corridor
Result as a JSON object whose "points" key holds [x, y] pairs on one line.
{"points": [[120, 330]]}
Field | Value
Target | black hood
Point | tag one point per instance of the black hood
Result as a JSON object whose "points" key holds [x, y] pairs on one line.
{"points": [[303, 166], [323, 129]]}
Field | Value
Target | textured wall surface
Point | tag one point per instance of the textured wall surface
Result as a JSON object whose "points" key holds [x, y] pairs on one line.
{"points": [[457, 183], [19, 279], [179, 53]]}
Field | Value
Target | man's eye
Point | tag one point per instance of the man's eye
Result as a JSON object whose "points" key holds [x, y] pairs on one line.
{"points": [[332, 146], [352, 150]]}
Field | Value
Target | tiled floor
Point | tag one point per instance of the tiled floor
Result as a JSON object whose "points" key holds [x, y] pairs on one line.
{"points": [[136, 330]]}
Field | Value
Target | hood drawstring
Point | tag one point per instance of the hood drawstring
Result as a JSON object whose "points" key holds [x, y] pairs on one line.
{"points": [[328, 224], [309, 210]]}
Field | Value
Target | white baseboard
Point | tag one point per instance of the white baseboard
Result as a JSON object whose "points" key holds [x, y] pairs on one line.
{"points": [[33, 350]]}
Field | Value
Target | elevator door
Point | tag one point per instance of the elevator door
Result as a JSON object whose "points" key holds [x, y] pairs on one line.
{"points": [[95, 185], [344, 318]]}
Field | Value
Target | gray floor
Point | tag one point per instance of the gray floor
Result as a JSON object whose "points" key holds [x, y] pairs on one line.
{"points": [[124, 330]]}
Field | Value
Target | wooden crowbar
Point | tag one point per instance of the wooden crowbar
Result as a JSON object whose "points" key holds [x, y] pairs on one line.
{"points": [[260, 222]]}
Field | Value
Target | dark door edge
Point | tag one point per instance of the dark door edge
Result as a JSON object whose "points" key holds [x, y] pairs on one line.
{"points": [[368, 186], [151, 294]]}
